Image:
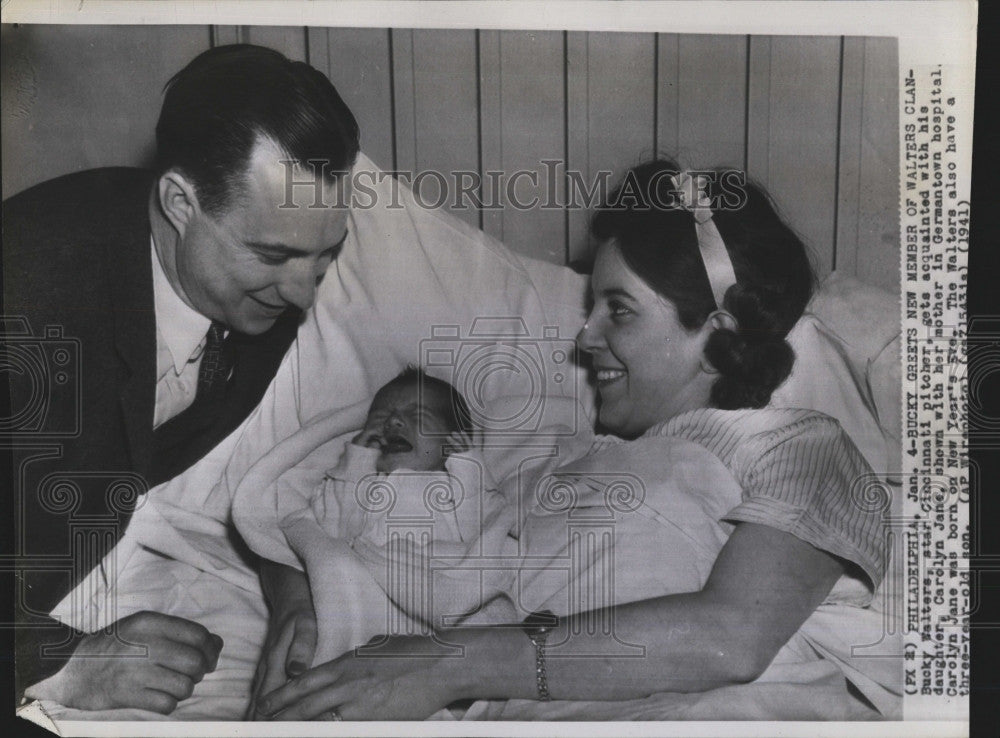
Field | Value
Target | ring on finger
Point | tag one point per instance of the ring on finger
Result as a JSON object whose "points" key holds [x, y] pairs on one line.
{"points": [[332, 714]]}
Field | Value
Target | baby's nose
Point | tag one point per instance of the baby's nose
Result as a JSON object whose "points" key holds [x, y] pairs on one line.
{"points": [[394, 422]]}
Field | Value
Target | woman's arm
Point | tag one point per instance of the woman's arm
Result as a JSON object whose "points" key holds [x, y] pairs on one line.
{"points": [[763, 586]]}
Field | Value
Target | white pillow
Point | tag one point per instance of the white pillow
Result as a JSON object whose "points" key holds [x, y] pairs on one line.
{"points": [[847, 366]]}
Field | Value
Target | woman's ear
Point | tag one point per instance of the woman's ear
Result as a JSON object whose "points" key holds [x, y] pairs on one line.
{"points": [[722, 320], [177, 199], [719, 320]]}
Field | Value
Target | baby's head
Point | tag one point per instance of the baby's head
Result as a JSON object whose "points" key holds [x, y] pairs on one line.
{"points": [[411, 418]]}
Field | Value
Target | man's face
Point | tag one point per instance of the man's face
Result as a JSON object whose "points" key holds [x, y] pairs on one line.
{"points": [[247, 265]]}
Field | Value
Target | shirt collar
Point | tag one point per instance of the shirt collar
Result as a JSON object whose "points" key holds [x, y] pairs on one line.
{"points": [[182, 327]]}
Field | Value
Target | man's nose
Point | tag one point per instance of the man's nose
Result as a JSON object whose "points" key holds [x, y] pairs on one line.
{"points": [[298, 285]]}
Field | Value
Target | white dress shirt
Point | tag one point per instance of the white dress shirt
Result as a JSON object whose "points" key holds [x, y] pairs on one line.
{"points": [[180, 342]]}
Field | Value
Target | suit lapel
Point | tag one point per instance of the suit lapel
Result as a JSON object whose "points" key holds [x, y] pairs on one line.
{"points": [[128, 259]]}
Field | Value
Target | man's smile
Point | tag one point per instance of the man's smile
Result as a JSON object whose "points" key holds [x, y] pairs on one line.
{"points": [[268, 307]]}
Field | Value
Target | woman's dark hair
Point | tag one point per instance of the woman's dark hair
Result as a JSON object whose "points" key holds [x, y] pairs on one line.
{"points": [[774, 280], [461, 418], [215, 109]]}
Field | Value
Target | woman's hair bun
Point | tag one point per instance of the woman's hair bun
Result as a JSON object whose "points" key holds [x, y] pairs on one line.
{"points": [[753, 360]]}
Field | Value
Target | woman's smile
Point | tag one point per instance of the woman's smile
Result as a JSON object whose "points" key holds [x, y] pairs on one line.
{"points": [[606, 376]]}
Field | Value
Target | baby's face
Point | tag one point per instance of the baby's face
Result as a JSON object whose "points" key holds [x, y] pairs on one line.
{"points": [[410, 434]]}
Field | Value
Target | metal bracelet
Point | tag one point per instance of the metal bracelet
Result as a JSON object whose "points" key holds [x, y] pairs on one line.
{"points": [[541, 678], [537, 627]]}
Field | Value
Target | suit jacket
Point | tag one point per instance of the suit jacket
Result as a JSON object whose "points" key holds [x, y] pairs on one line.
{"points": [[77, 269]]}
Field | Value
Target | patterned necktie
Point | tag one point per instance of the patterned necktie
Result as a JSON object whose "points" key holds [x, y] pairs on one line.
{"points": [[216, 364]]}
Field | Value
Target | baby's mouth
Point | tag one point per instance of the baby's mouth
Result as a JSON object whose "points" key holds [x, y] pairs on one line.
{"points": [[396, 445]]}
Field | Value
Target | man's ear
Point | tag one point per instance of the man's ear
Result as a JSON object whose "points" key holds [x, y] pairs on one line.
{"points": [[719, 320], [177, 199]]}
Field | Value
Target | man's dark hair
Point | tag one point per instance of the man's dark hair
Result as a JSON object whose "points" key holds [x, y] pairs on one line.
{"points": [[460, 417], [220, 104]]}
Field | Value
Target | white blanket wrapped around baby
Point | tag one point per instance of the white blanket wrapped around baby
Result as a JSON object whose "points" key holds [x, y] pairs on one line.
{"points": [[626, 522]]}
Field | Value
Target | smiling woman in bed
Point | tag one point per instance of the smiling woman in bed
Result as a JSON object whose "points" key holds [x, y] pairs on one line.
{"points": [[692, 300]]}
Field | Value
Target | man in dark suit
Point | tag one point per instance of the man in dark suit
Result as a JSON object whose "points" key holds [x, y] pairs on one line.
{"points": [[161, 305]]}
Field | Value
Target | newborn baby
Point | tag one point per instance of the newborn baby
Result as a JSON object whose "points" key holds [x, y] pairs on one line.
{"points": [[413, 464]]}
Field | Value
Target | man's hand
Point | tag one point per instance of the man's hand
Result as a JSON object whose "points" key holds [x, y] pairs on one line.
{"points": [[148, 660], [291, 630]]}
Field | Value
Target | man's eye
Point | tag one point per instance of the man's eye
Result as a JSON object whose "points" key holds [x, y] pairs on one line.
{"points": [[272, 260]]}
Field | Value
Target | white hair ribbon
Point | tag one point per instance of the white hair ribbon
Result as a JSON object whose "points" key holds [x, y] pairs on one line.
{"points": [[714, 254]]}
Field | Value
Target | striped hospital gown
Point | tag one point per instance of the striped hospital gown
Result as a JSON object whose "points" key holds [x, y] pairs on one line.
{"points": [[800, 474]]}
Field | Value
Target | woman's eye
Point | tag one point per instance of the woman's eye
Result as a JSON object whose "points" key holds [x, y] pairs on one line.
{"points": [[272, 260], [618, 309]]}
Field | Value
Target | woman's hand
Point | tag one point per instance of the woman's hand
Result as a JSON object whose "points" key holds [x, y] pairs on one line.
{"points": [[368, 684], [291, 631]]}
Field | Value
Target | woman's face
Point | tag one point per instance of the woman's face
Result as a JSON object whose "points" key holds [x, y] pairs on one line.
{"points": [[647, 366]]}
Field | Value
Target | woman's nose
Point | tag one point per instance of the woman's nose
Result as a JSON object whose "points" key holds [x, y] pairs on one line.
{"points": [[588, 339]]}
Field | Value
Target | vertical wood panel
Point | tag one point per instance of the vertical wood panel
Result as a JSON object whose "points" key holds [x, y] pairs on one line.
{"points": [[446, 113], [758, 134], [224, 35], [801, 133], [490, 131], [620, 72], [711, 100], [289, 40], [852, 90], [620, 110], [878, 224], [531, 130], [579, 244], [404, 100], [667, 93], [357, 62], [78, 97]]}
